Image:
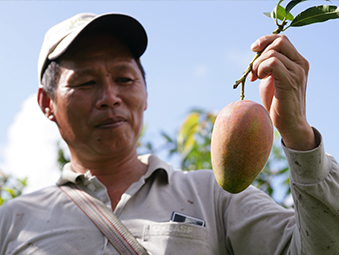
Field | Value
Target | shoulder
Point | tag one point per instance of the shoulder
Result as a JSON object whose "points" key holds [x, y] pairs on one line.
{"points": [[204, 175], [31, 201], [27, 210], [175, 176], [201, 183]]}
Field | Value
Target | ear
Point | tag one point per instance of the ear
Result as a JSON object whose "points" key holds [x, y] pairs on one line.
{"points": [[145, 107], [46, 104]]}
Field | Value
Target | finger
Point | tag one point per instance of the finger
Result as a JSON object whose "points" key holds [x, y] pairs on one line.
{"points": [[251, 76], [272, 63], [261, 43], [286, 72], [268, 45], [266, 92], [279, 43]]}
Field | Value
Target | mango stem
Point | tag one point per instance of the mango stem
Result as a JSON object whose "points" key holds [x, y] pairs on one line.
{"points": [[249, 68], [244, 76]]}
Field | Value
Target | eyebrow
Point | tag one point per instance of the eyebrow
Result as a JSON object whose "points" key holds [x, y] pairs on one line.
{"points": [[76, 74], [122, 67]]}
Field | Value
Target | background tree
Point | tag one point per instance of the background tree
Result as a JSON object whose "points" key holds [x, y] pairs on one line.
{"points": [[191, 146], [10, 187]]}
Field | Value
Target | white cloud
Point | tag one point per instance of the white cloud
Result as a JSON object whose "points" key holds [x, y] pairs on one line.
{"points": [[200, 70], [239, 58], [31, 150]]}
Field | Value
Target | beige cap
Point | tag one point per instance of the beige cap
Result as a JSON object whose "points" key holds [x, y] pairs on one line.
{"points": [[59, 37]]}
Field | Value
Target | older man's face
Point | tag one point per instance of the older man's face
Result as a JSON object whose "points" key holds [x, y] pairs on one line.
{"points": [[100, 98]]}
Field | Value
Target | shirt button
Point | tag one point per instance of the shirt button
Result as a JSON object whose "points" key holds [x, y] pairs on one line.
{"points": [[91, 187]]}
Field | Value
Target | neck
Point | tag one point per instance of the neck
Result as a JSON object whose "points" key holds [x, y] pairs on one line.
{"points": [[117, 174]]}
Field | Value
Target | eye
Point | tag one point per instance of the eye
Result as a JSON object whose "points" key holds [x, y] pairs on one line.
{"points": [[123, 80], [88, 83]]}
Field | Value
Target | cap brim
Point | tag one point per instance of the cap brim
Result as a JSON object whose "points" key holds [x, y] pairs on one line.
{"points": [[129, 29]]}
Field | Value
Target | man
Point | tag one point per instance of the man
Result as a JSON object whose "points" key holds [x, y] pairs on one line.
{"points": [[93, 88]]}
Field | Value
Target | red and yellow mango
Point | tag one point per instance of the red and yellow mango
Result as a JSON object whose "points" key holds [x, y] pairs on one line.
{"points": [[241, 142]]}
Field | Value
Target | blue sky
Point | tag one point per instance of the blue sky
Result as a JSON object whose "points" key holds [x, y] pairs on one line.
{"points": [[196, 50]]}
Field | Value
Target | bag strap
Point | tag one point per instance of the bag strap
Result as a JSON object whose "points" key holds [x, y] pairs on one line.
{"points": [[118, 235]]}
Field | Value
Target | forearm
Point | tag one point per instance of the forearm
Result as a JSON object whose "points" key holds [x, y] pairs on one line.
{"points": [[301, 138], [315, 189]]}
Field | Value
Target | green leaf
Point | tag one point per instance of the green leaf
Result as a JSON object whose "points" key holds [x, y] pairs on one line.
{"points": [[291, 4], [186, 133], [315, 14], [268, 14], [282, 14], [273, 12], [279, 13], [277, 9], [167, 137], [9, 190]]}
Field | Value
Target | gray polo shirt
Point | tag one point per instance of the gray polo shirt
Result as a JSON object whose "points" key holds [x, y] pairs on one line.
{"points": [[249, 223]]}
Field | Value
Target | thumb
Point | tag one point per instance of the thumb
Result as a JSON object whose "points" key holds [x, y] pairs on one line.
{"points": [[266, 92]]}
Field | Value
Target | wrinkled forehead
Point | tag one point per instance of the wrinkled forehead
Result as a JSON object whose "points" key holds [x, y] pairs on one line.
{"points": [[97, 42]]}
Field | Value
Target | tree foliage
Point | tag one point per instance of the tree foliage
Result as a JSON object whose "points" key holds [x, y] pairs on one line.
{"points": [[10, 187], [191, 145], [192, 141]]}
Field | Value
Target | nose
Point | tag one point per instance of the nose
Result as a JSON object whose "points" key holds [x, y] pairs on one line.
{"points": [[108, 96]]}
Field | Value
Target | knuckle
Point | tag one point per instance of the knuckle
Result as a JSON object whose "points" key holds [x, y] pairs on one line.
{"points": [[272, 53], [300, 74], [261, 40], [306, 66], [281, 42], [282, 39], [264, 40]]}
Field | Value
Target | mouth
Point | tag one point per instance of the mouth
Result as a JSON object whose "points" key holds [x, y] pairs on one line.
{"points": [[111, 123]]}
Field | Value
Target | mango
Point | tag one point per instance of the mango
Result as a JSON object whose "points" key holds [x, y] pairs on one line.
{"points": [[242, 139]]}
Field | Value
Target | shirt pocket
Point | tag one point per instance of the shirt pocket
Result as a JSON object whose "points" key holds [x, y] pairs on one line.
{"points": [[175, 238]]}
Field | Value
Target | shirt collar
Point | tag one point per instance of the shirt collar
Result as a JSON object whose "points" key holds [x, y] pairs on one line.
{"points": [[68, 175], [153, 162]]}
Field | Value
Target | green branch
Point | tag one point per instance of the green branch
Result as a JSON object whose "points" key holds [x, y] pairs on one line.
{"points": [[312, 15]]}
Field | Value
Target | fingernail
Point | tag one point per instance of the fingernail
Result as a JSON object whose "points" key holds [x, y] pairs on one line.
{"points": [[255, 45]]}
